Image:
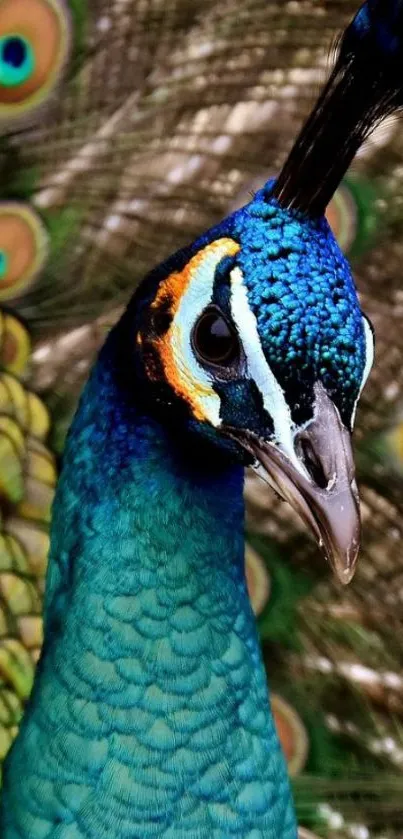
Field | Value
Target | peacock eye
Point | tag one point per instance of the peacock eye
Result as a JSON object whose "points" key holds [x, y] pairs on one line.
{"points": [[17, 60], [214, 339], [34, 46]]}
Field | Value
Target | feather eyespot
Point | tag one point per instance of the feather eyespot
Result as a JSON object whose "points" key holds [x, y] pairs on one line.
{"points": [[17, 62], [34, 45], [23, 248], [341, 214]]}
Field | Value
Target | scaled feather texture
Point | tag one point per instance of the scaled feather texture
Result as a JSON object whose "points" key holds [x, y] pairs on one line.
{"points": [[144, 124]]}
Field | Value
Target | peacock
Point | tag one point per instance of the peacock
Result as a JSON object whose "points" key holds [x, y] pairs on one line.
{"points": [[149, 715]]}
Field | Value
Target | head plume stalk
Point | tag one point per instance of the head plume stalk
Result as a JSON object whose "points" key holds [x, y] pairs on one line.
{"points": [[365, 86]]}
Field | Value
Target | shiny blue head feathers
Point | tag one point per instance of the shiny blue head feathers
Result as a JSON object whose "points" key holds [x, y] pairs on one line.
{"points": [[302, 293], [253, 336]]}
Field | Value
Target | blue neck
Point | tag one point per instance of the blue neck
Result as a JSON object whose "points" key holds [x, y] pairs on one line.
{"points": [[149, 715]]}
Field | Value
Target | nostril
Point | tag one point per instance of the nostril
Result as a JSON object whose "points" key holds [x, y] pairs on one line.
{"points": [[312, 463]]}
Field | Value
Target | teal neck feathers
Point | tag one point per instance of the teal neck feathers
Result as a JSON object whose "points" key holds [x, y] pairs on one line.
{"points": [[150, 715]]}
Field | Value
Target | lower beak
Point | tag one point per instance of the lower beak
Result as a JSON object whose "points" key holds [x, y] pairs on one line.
{"points": [[318, 482]]}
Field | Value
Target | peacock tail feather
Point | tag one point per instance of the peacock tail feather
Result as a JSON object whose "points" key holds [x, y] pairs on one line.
{"points": [[28, 478], [152, 120]]}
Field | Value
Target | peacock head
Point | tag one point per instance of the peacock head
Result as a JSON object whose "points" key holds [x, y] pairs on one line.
{"points": [[254, 335]]}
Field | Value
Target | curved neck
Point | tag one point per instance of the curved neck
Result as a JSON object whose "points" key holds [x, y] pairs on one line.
{"points": [[150, 708]]}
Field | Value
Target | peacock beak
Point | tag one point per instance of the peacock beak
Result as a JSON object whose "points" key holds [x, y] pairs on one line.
{"points": [[319, 482]]}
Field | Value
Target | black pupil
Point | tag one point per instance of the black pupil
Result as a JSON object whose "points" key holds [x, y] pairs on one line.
{"points": [[214, 339], [14, 52]]}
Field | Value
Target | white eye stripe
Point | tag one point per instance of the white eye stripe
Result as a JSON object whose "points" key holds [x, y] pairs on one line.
{"points": [[369, 360], [369, 352], [273, 396], [197, 296]]}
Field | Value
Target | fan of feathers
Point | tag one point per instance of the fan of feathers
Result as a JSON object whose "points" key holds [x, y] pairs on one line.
{"points": [[144, 123]]}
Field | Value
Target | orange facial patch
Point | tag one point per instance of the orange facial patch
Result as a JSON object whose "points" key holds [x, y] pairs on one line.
{"points": [[181, 298]]}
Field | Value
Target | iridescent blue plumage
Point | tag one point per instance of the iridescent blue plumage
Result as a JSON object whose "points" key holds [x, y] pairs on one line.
{"points": [[150, 710], [302, 292], [303, 295], [150, 714]]}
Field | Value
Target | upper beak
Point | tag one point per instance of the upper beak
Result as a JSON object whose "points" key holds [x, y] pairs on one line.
{"points": [[319, 482]]}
